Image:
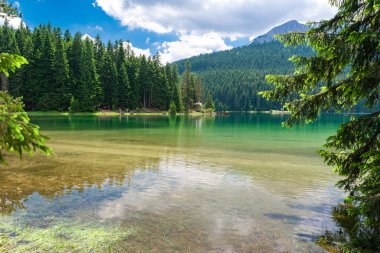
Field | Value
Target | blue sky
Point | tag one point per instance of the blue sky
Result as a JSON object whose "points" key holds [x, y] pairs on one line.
{"points": [[175, 28]]}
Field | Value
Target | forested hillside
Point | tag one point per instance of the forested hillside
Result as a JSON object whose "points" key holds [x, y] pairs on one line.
{"points": [[68, 72], [235, 77]]}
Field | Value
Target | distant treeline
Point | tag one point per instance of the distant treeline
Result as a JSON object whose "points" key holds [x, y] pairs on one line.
{"points": [[68, 72], [235, 77]]}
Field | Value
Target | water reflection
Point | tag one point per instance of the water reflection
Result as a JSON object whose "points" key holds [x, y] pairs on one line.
{"points": [[213, 184]]}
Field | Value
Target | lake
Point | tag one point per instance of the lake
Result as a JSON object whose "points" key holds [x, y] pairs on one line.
{"points": [[237, 183]]}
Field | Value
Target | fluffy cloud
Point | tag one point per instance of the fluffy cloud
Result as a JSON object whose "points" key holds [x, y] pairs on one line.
{"points": [[203, 25], [13, 22], [136, 50], [87, 36], [191, 45], [232, 19]]}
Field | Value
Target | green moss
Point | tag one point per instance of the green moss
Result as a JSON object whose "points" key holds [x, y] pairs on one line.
{"points": [[60, 236]]}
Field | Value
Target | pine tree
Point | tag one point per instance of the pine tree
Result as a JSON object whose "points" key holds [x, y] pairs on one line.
{"points": [[123, 90], [100, 54], [89, 81], [61, 94], [46, 78], [19, 80], [144, 81], [133, 66], [344, 72], [209, 102], [197, 87], [160, 88], [108, 80], [74, 56], [186, 89]]}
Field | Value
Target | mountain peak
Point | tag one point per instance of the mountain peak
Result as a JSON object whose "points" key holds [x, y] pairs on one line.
{"points": [[290, 26]]}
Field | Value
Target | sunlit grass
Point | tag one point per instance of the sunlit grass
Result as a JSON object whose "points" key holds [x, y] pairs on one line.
{"points": [[60, 236]]}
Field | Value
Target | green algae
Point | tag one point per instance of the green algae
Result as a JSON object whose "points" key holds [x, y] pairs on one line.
{"points": [[60, 236]]}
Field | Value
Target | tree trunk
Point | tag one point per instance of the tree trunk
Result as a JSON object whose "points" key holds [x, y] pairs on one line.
{"points": [[4, 82]]}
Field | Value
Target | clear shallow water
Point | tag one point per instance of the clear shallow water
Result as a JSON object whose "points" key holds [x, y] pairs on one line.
{"points": [[240, 183]]}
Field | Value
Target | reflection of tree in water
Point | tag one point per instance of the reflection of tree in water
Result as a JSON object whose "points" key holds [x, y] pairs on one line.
{"points": [[51, 177], [353, 235]]}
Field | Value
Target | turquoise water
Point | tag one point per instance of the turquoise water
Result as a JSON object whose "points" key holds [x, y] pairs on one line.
{"points": [[237, 183]]}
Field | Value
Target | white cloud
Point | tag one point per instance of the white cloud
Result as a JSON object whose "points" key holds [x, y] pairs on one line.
{"points": [[203, 25], [190, 45], [95, 28], [137, 51], [232, 19], [13, 21], [99, 28], [87, 36]]}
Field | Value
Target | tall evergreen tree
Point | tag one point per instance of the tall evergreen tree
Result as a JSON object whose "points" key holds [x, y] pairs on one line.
{"points": [[160, 91], [61, 91], [88, 87], [74, 56], [187, 89], [344, 72], [122, 90], [100, 54], [209, 102], [46, 78], [133, 67], [20, 79], [108, 77]]}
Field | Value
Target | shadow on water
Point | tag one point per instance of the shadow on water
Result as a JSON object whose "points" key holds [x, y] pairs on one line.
{"points": [[291, 219], [352, 234]]}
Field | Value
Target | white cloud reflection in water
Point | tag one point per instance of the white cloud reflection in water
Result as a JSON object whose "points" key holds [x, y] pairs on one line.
{"points": [[225, 204]]}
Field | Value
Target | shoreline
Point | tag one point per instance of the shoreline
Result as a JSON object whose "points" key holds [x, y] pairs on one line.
{"points": [[163, 113], [111, 113]]}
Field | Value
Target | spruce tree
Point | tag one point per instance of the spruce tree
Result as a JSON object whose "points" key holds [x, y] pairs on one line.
{"points": [[61, 93], [108, 78], [186, 89], [46, 78], [133, 66], [123, 90], [88, 87], [344, 72], [74, 56], [209, 102]]}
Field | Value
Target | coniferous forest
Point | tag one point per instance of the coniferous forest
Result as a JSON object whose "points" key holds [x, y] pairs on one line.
{"points": [[234, 77], [75, 73], [72, 73]]}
